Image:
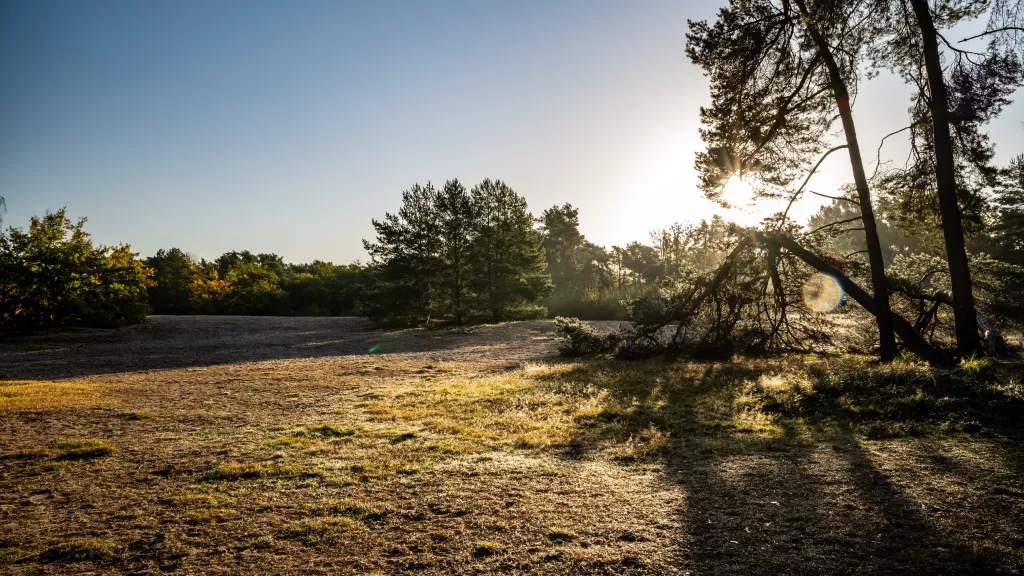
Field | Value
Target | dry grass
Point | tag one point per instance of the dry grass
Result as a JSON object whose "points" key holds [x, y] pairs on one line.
{"points": [[39, 396], [480, 451]]}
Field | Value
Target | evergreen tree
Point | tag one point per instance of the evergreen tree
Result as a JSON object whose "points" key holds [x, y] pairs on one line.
{"points": [[173, 271], [952, 101], [456, 222], [507, 253], [574, 264], [780, 75], [1008, 230], [562, 244], [406, 257]]}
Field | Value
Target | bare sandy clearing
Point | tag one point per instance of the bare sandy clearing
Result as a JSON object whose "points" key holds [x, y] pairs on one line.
{"points": [[284, 445]]}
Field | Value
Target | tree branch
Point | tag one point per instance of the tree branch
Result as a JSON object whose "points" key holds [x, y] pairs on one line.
{"points": [[878, 155], [997, 30], [836, 223], [806, 180], [850, 200]]}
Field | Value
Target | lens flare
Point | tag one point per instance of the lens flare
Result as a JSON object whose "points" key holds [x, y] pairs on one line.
{"points": [[822, 293]]}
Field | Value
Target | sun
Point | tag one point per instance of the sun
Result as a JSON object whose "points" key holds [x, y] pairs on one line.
{"points": [[737, 192]]}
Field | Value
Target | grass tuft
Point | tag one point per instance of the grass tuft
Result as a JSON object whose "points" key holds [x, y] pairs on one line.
{"points": [[484, 548], [560, 535], [319, 531], [25, 454], [135, 415], [84, 449], [11, 556], [79, 550]]}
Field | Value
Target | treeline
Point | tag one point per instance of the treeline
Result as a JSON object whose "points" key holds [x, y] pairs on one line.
{"points": [[240, 282], [452, 255], [448, 256]]}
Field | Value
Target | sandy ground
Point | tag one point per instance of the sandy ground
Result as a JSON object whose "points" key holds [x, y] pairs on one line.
{"points": [[183, 397]]}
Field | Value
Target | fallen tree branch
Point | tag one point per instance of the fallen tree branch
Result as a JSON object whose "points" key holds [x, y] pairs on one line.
{"points": [[911, 339]]}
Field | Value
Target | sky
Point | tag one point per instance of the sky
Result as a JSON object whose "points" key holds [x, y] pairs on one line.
{"points": [[287, 126]]}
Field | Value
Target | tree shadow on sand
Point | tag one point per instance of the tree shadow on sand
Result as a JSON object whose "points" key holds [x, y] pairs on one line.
{"points": [[785, 478], [174, 342]]}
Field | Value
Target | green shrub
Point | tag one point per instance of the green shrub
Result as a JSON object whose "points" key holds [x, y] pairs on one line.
{"points": [[582, 339], [52, 275]]}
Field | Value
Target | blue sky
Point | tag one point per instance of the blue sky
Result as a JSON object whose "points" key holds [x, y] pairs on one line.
{"points": [[286, 126]]}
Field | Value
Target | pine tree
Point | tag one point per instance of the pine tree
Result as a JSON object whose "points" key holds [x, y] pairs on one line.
{"points": [[456, 216], [507, 257], [953, 100], [779, 77], [1008, 230], [406, 258]]}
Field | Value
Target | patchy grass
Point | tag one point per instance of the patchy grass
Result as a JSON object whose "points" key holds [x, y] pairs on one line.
{"points": [[319, 531], [84, 449], [900, 399], [26, 454], [135, 415], [79, 550], [506, 459], [305, 435], [324, 431], [19, 396], [11, 556], [484, 548], [560, 535], [232, 471]]}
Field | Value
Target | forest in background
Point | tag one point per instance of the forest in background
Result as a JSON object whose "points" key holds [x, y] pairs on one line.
{"points": [[452, 256]]}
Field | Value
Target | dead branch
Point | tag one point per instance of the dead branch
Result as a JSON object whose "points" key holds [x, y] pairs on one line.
{"points": [[904, 330]]}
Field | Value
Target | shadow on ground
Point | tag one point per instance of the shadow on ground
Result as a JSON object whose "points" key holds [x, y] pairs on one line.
{"points": [[784, 479], [173, 342]]}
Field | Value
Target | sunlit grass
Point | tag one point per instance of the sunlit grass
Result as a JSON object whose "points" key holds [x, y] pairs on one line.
{"points": [[637, 411], [17, 396]]}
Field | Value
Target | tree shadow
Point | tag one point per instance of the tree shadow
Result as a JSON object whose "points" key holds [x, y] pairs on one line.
{"points": [[783, 495], [175, 342]]}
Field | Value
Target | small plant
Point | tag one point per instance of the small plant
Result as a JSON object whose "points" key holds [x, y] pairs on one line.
{"points": [[484, 549], [560, 535], [582, 339]]}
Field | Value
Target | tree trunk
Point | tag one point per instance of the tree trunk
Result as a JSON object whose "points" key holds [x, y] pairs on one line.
{"points": [[882, 310], [945, 176]]}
